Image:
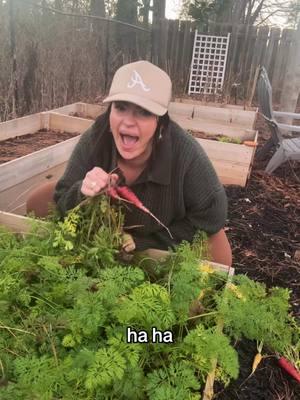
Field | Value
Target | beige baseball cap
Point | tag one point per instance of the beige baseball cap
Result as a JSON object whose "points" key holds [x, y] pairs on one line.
{"points": [[143, 84]]}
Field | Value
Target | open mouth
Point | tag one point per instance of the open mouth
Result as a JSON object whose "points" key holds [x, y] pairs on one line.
{"points": [[129, 140]]}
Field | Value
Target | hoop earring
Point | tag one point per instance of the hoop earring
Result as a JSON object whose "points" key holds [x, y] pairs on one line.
{"points": [[160, 134]]}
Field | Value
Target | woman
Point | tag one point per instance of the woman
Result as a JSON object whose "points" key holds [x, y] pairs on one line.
{"points": [[164, 166]]}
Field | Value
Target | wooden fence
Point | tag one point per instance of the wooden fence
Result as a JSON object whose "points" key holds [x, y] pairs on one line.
{"points": [[250, 47], [62, 59], [169, 44]]}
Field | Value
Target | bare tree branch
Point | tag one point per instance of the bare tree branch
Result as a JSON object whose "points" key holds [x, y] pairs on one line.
{"points": [[88, 16]]}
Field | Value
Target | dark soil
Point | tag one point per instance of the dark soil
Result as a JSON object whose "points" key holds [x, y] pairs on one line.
{"points": [[80, 115], [20, 146], [263, 227], [219, 138], [203, 135]]}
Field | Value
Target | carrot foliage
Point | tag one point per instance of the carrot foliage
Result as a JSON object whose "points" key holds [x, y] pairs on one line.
{"points": [[67, 300]]}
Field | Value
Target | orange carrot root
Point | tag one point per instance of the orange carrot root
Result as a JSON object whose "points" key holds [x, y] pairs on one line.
{"points": [[256, 362]]}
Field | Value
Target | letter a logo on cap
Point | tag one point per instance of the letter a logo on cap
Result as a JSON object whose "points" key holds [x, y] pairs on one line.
{"points": [[136, 79]]}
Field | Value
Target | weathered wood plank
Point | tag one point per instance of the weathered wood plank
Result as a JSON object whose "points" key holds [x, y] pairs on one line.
{"points": [[66, 123], [20, 126], [17, 171], [13, 199], [214, 128], [272, 51], [214, 104], [181, 109], [232, 116], [19, 223], [231, 161], [84, 110], [287, 40]]}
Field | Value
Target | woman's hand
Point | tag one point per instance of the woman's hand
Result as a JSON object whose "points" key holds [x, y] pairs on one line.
{"points": [[96, 180], [128, 244]]}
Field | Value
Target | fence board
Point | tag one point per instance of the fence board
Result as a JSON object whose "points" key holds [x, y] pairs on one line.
{"points": [[185, 64], [281, 62], [272, 50], [174, 44], [258, 53], [164, 28], [249, 72]]}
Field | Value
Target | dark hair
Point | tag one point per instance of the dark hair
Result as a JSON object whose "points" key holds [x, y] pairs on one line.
{"points": [[102, 121]]}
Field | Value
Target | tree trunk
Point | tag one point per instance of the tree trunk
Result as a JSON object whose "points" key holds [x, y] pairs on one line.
{"points": [[159, 9], [291, 85], [126, 37], [145, 13], [13, 57], [100, 36]]}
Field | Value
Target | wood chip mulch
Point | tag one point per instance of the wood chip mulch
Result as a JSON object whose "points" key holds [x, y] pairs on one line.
{"points": [[264, 231]]}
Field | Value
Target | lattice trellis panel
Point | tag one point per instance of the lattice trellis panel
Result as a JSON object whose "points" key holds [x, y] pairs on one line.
{"points": [[208, 63]]}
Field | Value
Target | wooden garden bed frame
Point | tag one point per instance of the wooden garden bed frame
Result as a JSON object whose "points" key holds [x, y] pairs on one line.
{"points": [[18, 177], [233, 162], [231, 122], [83, 110]]}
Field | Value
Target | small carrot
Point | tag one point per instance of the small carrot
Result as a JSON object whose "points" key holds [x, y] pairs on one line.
{"points": [[250, 143], [112, 192], [289, 368], [257, 358], [256, 362], [128, 195]]}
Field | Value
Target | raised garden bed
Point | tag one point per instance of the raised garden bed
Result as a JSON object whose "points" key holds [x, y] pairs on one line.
{"points": [[212, 120], [19, 176], [82, 110], [42, 121], [232, 162], [20, 146]]}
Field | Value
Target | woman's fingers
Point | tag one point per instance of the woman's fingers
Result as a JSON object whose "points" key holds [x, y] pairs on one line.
{"points": [[128, 243], [96, 180], [114, 179]]}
